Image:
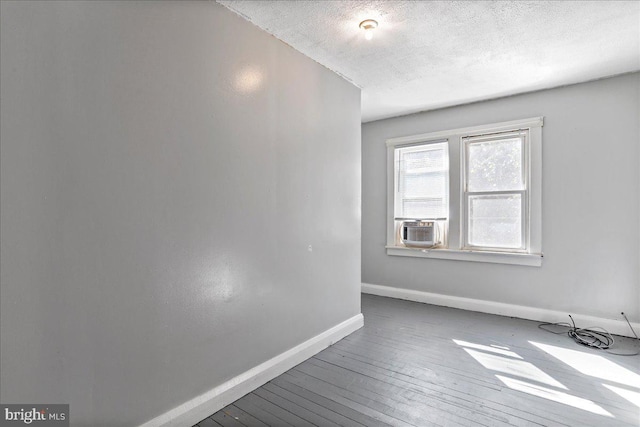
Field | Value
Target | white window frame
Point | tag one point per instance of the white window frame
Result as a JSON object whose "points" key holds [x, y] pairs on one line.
{"points": [[457, 248], [466, 194], [418, 147]]}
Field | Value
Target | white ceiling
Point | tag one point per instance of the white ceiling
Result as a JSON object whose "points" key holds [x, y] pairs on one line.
{"points": [[433, 54]]}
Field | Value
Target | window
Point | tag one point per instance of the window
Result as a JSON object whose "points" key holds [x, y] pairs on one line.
{"points": [[495, 191], [479, 186], [421, 195], [422, 184]]}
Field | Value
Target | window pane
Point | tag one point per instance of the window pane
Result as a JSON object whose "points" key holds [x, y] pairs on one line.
{"points": [[423, 208], [430, 158], [495, 221], [422, 177], [495, 165], [423, 185]]}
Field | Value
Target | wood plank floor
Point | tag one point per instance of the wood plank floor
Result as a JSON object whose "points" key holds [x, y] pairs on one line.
{"points": [[422, 365]]}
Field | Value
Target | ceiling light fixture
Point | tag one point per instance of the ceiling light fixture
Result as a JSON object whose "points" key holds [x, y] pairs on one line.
{"points": [[368, 25]]}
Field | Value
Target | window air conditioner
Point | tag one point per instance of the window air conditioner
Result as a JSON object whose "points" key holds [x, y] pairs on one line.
{"points": [[423, 234]]}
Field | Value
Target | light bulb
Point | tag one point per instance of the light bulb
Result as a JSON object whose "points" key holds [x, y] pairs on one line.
{"points": [[368, 25]]}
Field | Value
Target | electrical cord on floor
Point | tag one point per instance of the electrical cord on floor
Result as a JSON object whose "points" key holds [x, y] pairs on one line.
{"points": [[593, 336]]}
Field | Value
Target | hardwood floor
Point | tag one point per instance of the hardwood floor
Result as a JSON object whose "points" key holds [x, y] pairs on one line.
{"points": [[421, 365]]}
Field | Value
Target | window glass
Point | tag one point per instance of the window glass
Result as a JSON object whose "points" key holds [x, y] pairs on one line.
{"points": [[427, 208], [495, 221], [422, 181], [495, 165]]}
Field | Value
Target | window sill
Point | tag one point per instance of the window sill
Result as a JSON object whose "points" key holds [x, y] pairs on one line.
{"points": [[532, 260]]}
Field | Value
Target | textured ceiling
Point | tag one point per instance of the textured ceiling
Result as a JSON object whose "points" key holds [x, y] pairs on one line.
{"points": [[433, 54]]}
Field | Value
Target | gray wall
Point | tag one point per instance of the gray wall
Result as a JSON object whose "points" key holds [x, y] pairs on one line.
{"points": [[158, 200], [590, 178]]}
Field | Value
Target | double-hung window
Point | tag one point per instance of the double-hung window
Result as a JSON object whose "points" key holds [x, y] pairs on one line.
{"points": [[422, 184], [479, 188], [495, 195]]}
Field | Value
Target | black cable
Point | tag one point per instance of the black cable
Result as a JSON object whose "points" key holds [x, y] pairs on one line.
{"points": [[593, 336], [629, 323]]}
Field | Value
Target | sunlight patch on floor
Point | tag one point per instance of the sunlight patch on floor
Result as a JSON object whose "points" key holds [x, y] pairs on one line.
{"points": [[592, 364], [517, 368], [554, 395], [631, 396], [494, 349]]}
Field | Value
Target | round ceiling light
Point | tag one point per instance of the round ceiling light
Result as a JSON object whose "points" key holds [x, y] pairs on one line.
{"points": [[368, 25]]}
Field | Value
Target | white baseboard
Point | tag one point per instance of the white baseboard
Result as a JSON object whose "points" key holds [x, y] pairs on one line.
{"points": [[200, 407], [617, 327]]}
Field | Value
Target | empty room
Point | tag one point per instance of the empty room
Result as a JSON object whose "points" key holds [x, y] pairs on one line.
{"points": [[319, 213]]}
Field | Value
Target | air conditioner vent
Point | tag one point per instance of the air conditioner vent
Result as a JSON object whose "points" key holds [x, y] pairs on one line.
{"points": [[419, 233]]}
